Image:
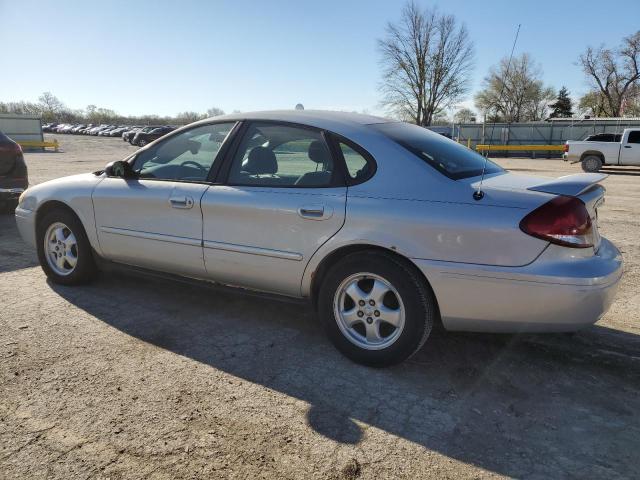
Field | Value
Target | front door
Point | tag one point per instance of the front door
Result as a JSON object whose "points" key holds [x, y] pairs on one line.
{"points": [[282, 201], [630, 151], [154, 220]]}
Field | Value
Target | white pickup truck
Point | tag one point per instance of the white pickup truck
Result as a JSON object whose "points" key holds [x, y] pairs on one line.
{"points": [[605, 149]]}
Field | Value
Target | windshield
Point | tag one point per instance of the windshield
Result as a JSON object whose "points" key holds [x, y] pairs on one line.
{"points": [[448, 157]]}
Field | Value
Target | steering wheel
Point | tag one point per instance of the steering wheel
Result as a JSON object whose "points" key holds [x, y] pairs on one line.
{"points": [[196, 164]]}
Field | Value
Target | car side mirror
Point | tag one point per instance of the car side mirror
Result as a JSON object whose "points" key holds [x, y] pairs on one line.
{"points": [[120, 169]]}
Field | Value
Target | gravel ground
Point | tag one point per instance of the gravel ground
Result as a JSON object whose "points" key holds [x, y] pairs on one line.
{"points": [[132, 377]]}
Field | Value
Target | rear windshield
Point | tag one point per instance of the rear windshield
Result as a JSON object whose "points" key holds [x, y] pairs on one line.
{"points": [[448, 157]]}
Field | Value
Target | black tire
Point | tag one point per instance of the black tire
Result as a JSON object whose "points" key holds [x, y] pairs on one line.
{"points": [[417, 298], [591, 164], [85, 269]]}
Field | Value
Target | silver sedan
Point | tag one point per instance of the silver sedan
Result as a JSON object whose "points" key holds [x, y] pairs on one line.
{"points": [[384, 227]]}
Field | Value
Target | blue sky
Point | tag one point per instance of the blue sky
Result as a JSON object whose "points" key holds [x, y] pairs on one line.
{"points": [[165, 57]]}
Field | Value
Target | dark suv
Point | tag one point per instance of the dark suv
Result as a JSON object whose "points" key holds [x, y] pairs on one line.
{"points": [[13, 173], [142, 138], [129, 136]]}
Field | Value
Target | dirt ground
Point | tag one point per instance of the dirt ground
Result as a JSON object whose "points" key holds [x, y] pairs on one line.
{"points": [[138, 378]]}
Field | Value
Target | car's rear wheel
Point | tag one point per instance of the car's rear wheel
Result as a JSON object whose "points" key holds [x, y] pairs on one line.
{"points": [[376, 309], [591, 164], [64, 250]]}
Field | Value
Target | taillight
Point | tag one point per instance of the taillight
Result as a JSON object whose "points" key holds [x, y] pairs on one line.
{"points": [[563, 221], [566, 147], [18, 148]]}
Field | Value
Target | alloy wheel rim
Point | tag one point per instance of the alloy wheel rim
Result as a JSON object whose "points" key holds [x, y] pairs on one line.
{"points": [[369, 311], [592, 164], [61, 248]]}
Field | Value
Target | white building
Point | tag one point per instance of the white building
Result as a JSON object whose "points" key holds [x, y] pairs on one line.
{"points": [[21, 127]]}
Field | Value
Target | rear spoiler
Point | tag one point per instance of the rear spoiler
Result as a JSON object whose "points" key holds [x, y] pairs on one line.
{"points": [[570, 185]]}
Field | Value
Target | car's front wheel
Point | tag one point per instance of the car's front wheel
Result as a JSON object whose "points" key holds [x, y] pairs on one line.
{"points": [[376, 309], [64, 250], [142, 142]]}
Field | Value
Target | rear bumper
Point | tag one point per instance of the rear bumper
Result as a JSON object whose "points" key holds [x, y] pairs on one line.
{"points": [[10, 193], [540, 297], [571, 158]]}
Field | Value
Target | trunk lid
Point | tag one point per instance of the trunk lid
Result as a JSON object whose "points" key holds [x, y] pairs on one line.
{"points": [[585, 186]]}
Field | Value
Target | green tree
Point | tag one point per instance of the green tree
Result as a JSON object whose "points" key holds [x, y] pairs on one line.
{"points": [[563, 106]]}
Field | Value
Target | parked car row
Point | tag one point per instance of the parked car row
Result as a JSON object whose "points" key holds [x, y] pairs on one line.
{"points": [[134, 134]]}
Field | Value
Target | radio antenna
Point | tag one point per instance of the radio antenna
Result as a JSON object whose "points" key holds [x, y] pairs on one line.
{"points": [[478, 194]]}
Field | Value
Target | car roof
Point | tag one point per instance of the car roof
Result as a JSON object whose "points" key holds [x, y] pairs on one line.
{"points": [[326, 119]]}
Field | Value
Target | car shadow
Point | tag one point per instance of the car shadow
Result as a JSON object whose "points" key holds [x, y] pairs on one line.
{"points": [[621, 171], [14, 253], [514, 405]]}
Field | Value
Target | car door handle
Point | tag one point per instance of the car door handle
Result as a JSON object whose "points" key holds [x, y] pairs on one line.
{"points": [[315, 212], [627, 146], [181, 202]]}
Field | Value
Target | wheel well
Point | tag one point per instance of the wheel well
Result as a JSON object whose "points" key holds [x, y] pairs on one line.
{"points": [[337, 255], [594, 153], [50, 205]]}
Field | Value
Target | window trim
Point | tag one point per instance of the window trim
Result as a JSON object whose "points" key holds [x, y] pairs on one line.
{"points": [[337, 179], [633, 132], [213, 171], [336, 140]]}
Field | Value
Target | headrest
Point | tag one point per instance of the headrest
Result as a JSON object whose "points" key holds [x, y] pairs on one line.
{"points": [[261, 161], [319, 153]]}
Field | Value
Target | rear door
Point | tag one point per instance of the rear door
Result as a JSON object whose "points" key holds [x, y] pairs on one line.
{"points": [[154, 220], [630, 151], [283, 199]]}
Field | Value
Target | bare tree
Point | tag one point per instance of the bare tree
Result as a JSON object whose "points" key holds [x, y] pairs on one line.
{"points": [[215, 112], [21, 107], [613, 73], [51, 107], [465, 115], [189, 117], [515, 92], [427, 59]]}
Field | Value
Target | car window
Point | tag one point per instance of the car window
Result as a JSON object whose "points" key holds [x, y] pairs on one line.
{"points": [[448, 157], [357, 165], [282, 156], [634, 137], [603, 137], [187, 156]]}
